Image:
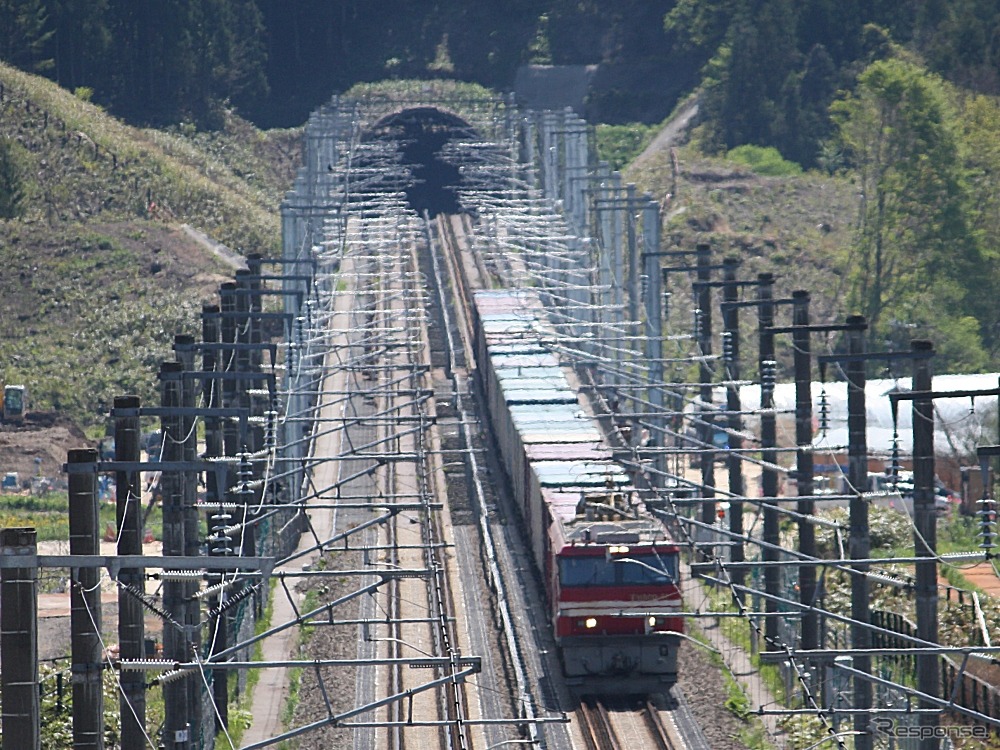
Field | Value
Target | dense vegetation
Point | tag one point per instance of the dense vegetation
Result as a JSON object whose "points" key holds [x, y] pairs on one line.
{"points": [[888, 107], [773, 66], [162, 62], [898, 97]]}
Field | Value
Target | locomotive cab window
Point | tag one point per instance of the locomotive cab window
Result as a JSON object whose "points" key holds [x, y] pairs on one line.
{"points": [[628, 570]]}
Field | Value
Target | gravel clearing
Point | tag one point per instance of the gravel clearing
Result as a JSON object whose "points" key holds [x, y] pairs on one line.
{"points": [[329, 642], [704, 688]]}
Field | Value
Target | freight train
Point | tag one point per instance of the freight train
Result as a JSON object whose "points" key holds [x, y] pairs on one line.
{"points": [[610, 571]]}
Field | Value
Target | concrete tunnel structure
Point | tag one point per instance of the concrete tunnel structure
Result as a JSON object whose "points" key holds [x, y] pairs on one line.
{"points": [[422, 133]]}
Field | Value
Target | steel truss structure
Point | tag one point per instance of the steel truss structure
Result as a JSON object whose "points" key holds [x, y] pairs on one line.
{"points": [[325, 466]]}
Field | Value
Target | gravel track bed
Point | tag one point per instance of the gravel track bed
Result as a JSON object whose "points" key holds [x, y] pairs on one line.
{"points": [[704, 688], [329, 642]]}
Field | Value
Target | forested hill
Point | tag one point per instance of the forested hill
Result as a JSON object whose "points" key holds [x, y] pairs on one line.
{"points": [[778, 63], [887, 109], [275, 61]]}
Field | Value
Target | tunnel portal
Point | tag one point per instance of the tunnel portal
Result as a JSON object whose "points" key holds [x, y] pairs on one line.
{"points": [[422, 133]]}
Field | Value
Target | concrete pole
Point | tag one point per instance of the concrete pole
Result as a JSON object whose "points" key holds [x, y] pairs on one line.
{"points": [[706, 430], [176, 700], [925, 536], [605, 279], [131, 626], [768, 436], [583, 145], [654, 333], [617, 270], [860, 541], [247, 303], [579, 155], [737, 486], [185, 352], [210, 334], [21, 716], [634, 303], [227, 363], [85, 606], [548, 156], [632, 246], [568, 172], [244, 326], [804, 463], [530, 135], [217, 542]]}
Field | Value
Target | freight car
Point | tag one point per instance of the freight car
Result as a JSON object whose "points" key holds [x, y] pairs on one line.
{"points": [[610, 570]]}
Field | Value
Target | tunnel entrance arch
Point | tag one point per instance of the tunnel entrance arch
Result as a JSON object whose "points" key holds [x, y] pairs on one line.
{"points": [[422, 132]]}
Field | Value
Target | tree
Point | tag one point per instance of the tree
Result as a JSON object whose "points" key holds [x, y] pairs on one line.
{"points": [[231, 62], [152, 58], [700, 23], [753, 71], [914, 252], [25, 33], [807, 99], [980, 120], [81, 43]]}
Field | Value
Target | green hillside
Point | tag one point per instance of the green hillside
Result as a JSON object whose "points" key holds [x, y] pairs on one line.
{"points": [[98, 274]]}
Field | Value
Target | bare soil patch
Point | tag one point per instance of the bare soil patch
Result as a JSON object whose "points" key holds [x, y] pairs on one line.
{"points": [[35, 450]]}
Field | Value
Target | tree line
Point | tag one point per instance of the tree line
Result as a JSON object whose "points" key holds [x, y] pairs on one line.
{"points": [[771, 67], [163, 61]]}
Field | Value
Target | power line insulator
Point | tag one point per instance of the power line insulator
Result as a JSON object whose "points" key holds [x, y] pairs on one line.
{"points": [[824, 412], [728, 355]]}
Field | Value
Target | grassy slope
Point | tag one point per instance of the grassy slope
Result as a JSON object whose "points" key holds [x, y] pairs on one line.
{"points": [[94, 283], [796, 227]]}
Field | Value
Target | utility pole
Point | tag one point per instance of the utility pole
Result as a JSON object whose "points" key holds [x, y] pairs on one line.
{"points": [[707, 427], [925, 536], [654, 333], [210, 335], [801, 330], [184, 349], [634, 302], [804, 464], [131, 627], [731, 357], [21, 715], [85, 607], [244, 364], [176, 703], [218, 542], [768, 439], [860, 541]]}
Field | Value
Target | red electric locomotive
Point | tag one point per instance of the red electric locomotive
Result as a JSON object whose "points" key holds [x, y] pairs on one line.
{"points": [[610, 570]]}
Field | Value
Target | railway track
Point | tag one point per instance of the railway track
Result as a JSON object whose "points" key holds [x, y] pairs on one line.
{"points": [[402, 368], [624, 725], [454, 270]]}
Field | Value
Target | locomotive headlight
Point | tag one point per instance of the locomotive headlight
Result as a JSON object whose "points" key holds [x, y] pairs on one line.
{"points": [[652, 622], [590, 623]]}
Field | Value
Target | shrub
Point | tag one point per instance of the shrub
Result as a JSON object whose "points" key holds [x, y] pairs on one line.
{"points": [[620, 144], [765, 161]]}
